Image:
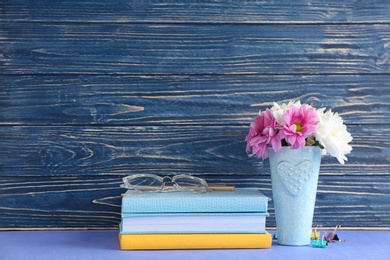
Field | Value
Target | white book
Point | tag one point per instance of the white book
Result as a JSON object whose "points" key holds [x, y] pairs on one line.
{"points": [[199, 223]]}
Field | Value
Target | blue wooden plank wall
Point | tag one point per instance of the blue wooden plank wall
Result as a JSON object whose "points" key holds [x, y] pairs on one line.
{"points": [[92, 91]]}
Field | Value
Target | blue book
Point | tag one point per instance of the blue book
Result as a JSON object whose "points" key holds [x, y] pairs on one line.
{"points": [[194, 223], [238, 201]]}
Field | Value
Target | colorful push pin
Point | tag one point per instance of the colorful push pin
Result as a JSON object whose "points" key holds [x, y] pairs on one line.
{"points": [[320, 243], [330, 237], [315, 235], [275, 236]]}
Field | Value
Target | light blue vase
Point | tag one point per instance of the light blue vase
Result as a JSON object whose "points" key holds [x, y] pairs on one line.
{"points": [[294, 175]]}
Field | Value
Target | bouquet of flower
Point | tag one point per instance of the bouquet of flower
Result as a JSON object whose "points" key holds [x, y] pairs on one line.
{"points": [[297, 125]]}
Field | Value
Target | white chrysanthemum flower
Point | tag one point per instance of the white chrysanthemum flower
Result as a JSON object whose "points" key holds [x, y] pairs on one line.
{"points": [[333, 135]]}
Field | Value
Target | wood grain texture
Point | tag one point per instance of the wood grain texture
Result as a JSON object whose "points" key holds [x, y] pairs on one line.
{"points": [[55, 48], [92, 91], [197, 11], [220, 150], [169, 100], [94, 202]]}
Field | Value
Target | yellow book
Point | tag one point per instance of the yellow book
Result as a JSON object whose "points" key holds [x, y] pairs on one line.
{"points": [[194, 241]]}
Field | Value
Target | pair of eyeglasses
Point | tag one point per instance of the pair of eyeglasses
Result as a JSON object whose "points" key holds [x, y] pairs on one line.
{"points": [[155, 183]]}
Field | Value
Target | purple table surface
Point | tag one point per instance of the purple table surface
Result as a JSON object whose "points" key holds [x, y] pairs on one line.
{"points": [[103, 244]]}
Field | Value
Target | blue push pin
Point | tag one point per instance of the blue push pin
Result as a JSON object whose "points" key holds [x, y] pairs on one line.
{"points": [[320, 243]]}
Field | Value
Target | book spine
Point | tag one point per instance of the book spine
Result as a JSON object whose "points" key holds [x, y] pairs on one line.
{"points": [[189, 224], [200, 214], [193, 241], [132, 204], [171, 229]]}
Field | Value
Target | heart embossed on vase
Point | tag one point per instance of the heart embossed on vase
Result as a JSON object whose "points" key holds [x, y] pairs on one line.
{"points": [[295, 177]]}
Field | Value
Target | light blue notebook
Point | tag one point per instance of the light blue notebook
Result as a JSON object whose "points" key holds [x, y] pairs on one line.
{"points": [[239, 201], [196, 223]]}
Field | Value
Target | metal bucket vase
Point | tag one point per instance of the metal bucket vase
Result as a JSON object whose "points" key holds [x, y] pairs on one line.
{"points": [[294, 175]]}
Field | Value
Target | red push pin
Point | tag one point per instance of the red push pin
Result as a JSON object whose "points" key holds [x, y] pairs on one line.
{"points": [[332, 236]]}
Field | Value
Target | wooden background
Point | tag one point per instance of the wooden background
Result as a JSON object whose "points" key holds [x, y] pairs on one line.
{"points": [[92, 91]]}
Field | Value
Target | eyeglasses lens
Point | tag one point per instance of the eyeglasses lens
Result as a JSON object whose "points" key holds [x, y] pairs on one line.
{"points": [[145, 183], [189, 183]]}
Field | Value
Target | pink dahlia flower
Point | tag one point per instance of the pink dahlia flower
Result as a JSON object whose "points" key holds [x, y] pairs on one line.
{"points": [[300, 123], [264, 132]]}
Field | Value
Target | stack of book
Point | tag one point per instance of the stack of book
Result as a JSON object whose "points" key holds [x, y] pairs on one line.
{"points": [[185, 220]]}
